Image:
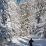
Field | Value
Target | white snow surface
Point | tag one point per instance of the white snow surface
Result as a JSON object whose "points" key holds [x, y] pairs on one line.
{"points": [[25, 41]]}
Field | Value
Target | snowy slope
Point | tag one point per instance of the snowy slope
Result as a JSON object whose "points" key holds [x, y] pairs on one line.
{"points": [[24, 42]]}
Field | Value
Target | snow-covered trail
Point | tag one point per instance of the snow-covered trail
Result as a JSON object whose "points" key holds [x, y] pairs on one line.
{"points": [[24, 42]]}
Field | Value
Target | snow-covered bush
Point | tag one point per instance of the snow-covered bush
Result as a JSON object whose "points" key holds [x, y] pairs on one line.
{"points": [[23, 18]]}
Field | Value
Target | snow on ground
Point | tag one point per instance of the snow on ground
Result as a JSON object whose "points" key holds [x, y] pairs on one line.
{"points": [[24, 42]]}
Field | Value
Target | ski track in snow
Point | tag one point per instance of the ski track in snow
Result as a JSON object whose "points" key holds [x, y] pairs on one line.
{"points": [[24, 42]]}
